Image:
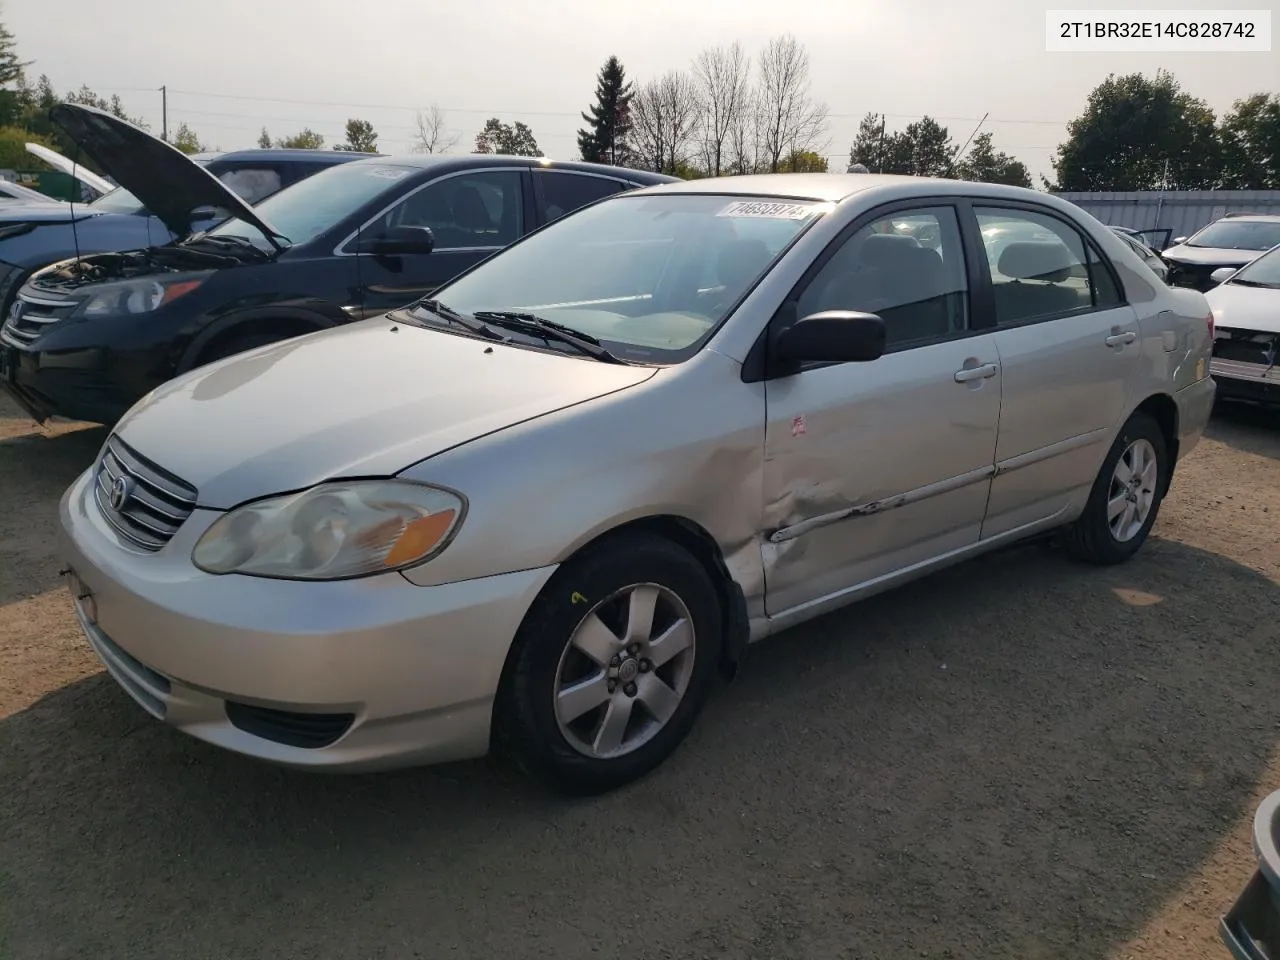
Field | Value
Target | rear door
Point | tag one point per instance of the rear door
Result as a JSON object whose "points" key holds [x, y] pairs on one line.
{"points": [[1069, 348], [473, 214]]}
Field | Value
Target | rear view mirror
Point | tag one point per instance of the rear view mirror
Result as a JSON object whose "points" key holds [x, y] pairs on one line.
{"points": [[832, 336], [1222, 274], [400, 240]]}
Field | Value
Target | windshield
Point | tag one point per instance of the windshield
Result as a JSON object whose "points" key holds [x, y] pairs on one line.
{"points": [[651, 277], [320, 202], [1238, 235], [1265, 271]]}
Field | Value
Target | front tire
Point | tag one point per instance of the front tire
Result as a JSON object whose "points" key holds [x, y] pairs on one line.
{"points": [[612, 665], [1126, 496]]}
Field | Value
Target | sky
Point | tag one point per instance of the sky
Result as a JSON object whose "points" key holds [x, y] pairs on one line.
{"points": [[233, 66]]}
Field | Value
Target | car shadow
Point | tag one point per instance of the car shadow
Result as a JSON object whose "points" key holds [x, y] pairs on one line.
{"points": [[32, 466], [1020, 757], [1246, 427]]}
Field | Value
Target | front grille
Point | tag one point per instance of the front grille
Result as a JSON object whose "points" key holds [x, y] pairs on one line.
{"points": [[310, 731], [30, 316], [143, 502]]}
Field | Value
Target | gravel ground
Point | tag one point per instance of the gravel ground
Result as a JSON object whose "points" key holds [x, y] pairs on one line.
{"points": [[1019, 758]]}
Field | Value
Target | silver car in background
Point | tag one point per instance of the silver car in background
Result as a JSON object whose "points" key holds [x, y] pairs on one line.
{"points": [[1246, 344], [543, 509]]}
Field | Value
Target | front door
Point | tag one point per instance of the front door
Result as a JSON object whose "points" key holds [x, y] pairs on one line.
{"points": [[1069, 346], [871, 468], [472, 214]]}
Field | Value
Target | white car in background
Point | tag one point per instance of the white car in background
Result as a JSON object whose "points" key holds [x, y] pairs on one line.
{"points": [[1246, 344]]}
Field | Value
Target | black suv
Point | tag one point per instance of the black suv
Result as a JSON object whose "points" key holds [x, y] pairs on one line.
{"points": [[89, 337]]}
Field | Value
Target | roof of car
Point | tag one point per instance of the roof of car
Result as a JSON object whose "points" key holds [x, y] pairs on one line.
{"points": [[834, 187], [281, 153], [443, 162], [1251, 217]]}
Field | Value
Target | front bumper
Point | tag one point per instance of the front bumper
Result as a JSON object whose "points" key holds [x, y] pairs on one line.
{"points": [[347, 675], [1241, 380], [1251, 928], [74, 384]]}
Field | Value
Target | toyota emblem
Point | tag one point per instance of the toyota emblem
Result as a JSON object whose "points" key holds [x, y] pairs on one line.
{"points": [[121, 490]]}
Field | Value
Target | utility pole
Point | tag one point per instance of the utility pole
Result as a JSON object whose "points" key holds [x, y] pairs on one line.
{"points": [[164, 114], [884, 118]]}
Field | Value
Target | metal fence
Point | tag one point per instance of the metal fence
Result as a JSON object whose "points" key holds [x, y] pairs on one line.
{"points": [[1181, 212]]}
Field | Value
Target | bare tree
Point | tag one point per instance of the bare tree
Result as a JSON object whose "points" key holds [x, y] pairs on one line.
{"points": [[664, 117], [790, 119], [433, 135], [722, 80]]}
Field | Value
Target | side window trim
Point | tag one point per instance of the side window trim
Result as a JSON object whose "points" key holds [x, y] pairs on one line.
{"points": [[756, 368], [1087, 244], [341, 249]]}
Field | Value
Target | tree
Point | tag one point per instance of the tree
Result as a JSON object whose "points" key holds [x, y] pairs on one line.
{"points": [[983, 164], [12, 77], [264, 140], [868, 146], [187, 141], [722, 82], [513, 140], [609, 118], [790, 120], [803, 161], [433, 135], [663, 115], [86, 97], [307, 139], [922, 149], [1250, 137], [1132, 129], [361, 137]]}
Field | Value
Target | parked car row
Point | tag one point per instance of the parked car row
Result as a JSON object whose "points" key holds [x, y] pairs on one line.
{"points": [[353, 236], [535, 500]]}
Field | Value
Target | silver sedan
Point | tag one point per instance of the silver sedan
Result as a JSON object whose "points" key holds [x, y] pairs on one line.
{"points": [[543, 509]]}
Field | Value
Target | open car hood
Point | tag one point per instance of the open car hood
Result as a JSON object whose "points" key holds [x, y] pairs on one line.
{"points": [[56, 160], [164, 180]]}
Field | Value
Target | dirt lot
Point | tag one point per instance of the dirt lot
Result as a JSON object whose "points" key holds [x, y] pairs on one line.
{"points": [[1019, 758]]}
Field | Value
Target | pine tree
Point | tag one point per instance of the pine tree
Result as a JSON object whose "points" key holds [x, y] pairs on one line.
{"points": [[13, 82], [609, 119]]}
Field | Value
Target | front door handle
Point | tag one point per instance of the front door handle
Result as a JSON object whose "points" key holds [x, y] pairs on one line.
{"points": [[983, 372], [1120, 337]]}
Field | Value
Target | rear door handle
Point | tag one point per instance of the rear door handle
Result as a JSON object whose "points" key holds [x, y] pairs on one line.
{"points": [[984, 372], [1120, 338]]}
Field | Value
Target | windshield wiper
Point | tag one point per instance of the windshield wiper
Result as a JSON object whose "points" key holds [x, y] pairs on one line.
{"points": [[229, 240], [453, 316], [549, 330], [1246, 282]]}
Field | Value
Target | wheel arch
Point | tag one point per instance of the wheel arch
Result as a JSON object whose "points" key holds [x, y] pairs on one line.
{"points": [[290, 321], [1164, 410]]}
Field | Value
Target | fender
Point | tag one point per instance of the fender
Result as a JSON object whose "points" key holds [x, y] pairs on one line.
{"points": [[319, 316]]}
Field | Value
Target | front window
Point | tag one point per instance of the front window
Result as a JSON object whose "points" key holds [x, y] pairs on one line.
{"points": [[1238, 235], [1263, 272], [651, 277], [309, 207]]}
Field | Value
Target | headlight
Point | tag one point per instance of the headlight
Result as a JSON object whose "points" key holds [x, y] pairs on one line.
{"points": [[333, 531], [139, 296]]}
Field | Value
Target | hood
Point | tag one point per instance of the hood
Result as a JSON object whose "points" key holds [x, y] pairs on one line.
{"points": [[169, 184], [1211, 256], [366, 399], [18, 211], [1245, 308], [56, 160]]}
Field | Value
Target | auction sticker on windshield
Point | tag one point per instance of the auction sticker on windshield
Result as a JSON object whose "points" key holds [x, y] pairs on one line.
{"points": [[762, 208]]}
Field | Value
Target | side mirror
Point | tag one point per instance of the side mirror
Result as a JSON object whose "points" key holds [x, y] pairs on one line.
{"points": [[832, 336], [208, 213], [1222, 274], [400, 240], [1178, 240]]}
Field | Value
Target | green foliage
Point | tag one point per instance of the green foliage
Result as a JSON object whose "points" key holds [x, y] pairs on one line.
{"points": [[868, 145], [187, 140], [361, 137], [605, 139], [13, 150], [1250, 137], [803, 161], [307, 139], [512, 139], [1134, 125], [264, 140], [982, 163]]}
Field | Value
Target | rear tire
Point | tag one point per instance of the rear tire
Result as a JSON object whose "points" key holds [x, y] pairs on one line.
{"points": [[611, 666], [1126, 496]]}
